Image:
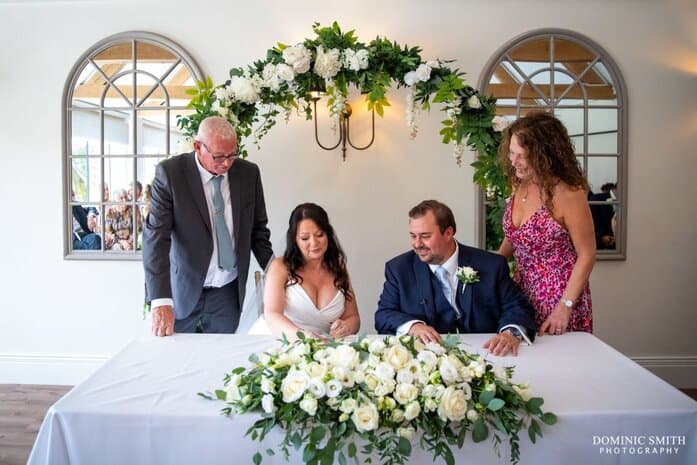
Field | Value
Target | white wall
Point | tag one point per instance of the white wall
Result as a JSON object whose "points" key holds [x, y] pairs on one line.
{"points": [[61, 318]]}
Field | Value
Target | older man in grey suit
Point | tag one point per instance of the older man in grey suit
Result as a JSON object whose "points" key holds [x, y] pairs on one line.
{"points": [[207, 213]]}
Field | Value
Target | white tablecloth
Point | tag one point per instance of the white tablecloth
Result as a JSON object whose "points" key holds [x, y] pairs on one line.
{"points": [[141, 407]]}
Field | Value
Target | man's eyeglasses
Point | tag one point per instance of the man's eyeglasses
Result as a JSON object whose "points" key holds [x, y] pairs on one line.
{"points": [[218, 156]]}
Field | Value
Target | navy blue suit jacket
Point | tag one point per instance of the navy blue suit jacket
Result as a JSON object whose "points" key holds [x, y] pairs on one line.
{"points": [[412, 292]]}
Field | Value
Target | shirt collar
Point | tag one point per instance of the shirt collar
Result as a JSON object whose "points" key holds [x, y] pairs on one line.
{"points": [[450, 264], [205, 174]]}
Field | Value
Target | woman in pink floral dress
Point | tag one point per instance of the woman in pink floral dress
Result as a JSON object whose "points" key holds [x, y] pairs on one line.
{"points": [[547, 224]]}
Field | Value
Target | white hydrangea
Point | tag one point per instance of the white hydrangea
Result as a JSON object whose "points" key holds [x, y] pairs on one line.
{"points": [[246, 88], [355, 60]]}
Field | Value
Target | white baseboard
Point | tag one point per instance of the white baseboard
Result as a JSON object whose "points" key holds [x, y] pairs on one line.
{"points": [[680, 371], [47, 369]]}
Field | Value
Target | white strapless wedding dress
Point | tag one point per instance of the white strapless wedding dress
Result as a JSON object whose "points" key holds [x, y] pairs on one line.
{"points": [[302, 312]]}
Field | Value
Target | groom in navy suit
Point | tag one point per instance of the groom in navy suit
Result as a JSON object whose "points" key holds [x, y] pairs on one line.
{"points": [[424, 297]]}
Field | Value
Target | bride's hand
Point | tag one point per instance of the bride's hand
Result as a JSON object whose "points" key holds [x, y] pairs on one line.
{"points": [[339, 329]]}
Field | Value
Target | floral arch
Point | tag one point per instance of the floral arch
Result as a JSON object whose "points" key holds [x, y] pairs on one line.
{"points": [[283, 82]]}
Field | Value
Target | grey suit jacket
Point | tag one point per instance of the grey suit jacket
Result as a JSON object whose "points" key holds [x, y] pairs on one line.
{"points": [[178, 238]]}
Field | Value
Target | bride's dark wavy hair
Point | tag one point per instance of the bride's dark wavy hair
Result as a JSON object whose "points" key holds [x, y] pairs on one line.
{"points": [[334, 258], [550, 153]]}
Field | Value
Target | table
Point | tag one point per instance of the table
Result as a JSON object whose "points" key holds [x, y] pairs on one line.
{"points": [[141, 407]]}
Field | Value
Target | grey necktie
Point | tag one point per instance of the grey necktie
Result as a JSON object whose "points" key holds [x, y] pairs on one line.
{"points": [[226, 254], [443, 278]]}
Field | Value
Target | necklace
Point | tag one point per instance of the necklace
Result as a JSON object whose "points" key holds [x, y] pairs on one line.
{"points": [[525, 197]]}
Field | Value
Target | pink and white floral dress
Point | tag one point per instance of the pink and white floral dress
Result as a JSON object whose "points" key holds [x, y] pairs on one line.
{"points": [[545, 256]]}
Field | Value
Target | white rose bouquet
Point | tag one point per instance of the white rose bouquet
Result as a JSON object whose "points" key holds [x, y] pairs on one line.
{"points": [[383, 392]]}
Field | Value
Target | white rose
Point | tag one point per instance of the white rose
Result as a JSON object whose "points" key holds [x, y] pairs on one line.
{"points": [[348, 405], [333, 388], [423, 72], [410, 78], [373, 360], [267, 385], [320, 355], [405, 393], [435, 348], [499, 123], [412, 410], [316, 369], [317, 388], [366, 417], [344, 375], [405, 376], [407, 433], [477, 367], [384, 371], [285, 72], [473, 102], [448, 371], [344, 356], [267, 403], [327, 62], [472, 415], [385, 387], [397, 415], [522, 391], [309, 405], [398, 356], [428, 358], [269, 71], [298, 57], [387, 403], [453, 405], [294, 385], [371, 381], [376, 346]]}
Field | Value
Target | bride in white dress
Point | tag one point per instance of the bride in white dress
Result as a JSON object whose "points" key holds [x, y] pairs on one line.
{"points": [[309, 289]]}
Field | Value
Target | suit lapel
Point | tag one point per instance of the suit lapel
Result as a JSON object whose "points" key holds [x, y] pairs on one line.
{"points": [[193, 178], [464, 299], [234, 180], [423, 282]]}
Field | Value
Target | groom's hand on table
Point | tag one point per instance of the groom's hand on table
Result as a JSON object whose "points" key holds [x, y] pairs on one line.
{"points": [[502, 344], [424, 332], [163, 321]]}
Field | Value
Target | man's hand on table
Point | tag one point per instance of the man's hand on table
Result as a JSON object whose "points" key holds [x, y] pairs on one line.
{"points": [[502, 344], [163, 321], [424, 332]]}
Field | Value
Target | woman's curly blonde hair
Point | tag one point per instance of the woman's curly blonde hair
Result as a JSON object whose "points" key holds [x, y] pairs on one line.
{"points": [[550, 153]]}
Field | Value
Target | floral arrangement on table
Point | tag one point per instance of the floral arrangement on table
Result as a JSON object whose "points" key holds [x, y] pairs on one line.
{"points": [[332, 62], [387, 391]]}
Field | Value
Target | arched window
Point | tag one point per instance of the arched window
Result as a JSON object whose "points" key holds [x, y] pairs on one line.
{"points": [[573, 77], [120, 104]]}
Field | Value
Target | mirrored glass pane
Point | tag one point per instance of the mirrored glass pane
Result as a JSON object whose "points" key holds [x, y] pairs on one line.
{"points": [[152, 130], [569, 53], [602, 171], [149, 92], [85, 229], [88, 87], [178, 143], [573, 120], [533, 95], [118, 133], [122, 223], [569, 95], [602, 130], [532, 51], [118, 176], [86, 132], [178, 82], [119, 95], [86, 179], [541, 78], [147, 52]]}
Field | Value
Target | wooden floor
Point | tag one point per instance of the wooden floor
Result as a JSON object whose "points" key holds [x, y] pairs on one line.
{"points": [[23, 406]]}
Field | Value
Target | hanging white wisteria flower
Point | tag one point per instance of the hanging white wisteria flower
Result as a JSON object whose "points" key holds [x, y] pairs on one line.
{"points": [[411, 114]]}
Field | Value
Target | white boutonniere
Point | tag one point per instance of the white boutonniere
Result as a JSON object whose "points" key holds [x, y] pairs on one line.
{"points": [[466, 275]]}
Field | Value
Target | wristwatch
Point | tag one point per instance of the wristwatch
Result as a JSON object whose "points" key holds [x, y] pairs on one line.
{"points": [[515, 332], [568, 303]]}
